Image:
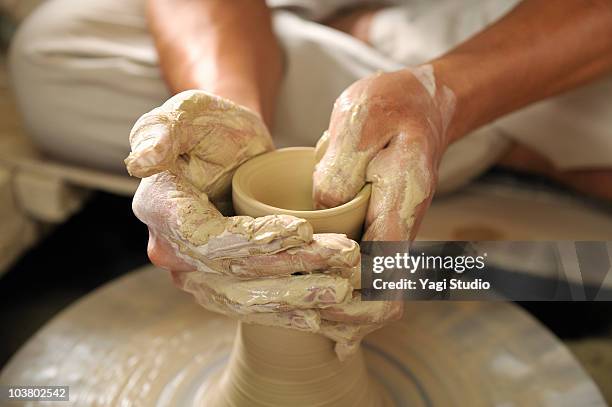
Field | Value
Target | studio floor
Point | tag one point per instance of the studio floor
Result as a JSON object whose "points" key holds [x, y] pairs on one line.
{"points": [[104, 240]]}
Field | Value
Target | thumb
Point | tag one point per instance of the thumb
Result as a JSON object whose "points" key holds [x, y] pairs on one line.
{"points": [[341, 172], [159, 137], [151, 140]]}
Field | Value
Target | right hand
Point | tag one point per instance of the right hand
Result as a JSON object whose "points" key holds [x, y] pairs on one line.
{"points": [[390, 130], [186, 152]]}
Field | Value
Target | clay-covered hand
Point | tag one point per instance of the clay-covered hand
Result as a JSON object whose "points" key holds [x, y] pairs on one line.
{"points": [[388, 129], [270, 270]]}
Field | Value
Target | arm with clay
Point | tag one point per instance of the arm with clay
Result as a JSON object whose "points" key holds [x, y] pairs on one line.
{"points": [[391, 129], [271, 270]]}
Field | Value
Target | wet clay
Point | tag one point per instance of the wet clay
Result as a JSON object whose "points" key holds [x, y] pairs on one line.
{"points": [[272, 366], [280, 183]]}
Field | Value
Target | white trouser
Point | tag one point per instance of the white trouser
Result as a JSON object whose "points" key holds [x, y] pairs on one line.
{"points": [[84, 71]]}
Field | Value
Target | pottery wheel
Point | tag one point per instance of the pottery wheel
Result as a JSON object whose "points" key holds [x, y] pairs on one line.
{"points": [[139, 341]]}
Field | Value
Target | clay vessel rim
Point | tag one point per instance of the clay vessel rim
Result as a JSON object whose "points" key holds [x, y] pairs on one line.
{"points": [[237, 189]]}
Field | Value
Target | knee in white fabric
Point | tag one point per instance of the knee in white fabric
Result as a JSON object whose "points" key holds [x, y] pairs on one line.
{"points": [[83, 72], [35, 67]]}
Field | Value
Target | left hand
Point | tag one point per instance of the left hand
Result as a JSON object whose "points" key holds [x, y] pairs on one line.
{"points": [[388, 129]]}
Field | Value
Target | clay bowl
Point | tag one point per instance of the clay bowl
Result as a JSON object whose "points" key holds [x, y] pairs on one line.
{"points": [[280, 182]]}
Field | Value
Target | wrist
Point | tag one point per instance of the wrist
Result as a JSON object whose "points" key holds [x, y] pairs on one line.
{"points": [[234, 86], [240, 93], [249, 84], [467, 107], [244, 79], [229, 87], [438, 103]]}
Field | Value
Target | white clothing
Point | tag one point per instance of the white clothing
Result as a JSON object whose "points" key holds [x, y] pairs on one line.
{"points": [[84, 71]]}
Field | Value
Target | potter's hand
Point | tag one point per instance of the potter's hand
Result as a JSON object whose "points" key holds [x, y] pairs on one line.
{"points": [[320, 299], [387, 129], [200, 138], [187, 151]]}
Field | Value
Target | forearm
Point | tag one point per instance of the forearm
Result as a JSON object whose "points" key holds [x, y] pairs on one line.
{"points": [[224, 47], [539, 49]]}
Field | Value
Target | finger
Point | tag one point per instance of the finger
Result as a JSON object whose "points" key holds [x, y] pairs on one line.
{"points": [[161, 136], [271, 294], [321, 146], [327, 252], [245, 236], [232, 136], [305, 320], [156, 200], [347, 336], [354, 139], [162, 254], [356, 311], [151, 141], [200, 234], [302, 320], [402, 186]]}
